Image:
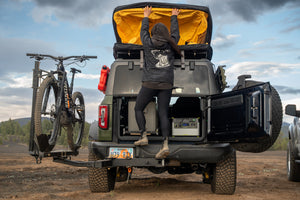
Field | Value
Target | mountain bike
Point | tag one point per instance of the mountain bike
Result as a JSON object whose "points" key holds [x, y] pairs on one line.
{"points": [[57, 109]]}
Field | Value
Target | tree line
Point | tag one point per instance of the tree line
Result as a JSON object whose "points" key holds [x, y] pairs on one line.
{"points": [[281, 142], [12, 131]]}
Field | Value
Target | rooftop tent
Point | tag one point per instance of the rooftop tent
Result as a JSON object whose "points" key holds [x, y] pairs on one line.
{"points": [[195, 24]]}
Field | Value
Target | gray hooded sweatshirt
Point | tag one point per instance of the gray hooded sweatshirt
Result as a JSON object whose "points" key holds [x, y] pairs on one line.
{"points": [[159, 54]]}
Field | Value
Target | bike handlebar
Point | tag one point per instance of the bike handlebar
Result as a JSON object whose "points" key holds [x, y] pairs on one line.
{"points": [[60, 58]]}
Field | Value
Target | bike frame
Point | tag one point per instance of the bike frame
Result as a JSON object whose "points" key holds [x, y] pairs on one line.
{"points": [[64, 99]]}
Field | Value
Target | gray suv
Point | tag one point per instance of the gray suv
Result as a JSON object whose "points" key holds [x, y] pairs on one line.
{"points": [[293, 151], [208, 125]]}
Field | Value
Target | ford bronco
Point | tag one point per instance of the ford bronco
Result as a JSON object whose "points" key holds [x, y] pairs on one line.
{"points": [[208, 125]]}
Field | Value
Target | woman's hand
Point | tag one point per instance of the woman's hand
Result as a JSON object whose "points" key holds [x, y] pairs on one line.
{"points": [[147, 11], [175, 11]]}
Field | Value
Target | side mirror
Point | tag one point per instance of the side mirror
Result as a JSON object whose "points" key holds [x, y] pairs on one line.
{"points": [[290, 109]]}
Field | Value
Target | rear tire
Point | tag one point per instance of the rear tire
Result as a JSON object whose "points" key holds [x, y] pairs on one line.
{"points": [[293, 169], [75, 130], [262, 145], [44, 110], [101, 179], [224, 175]]}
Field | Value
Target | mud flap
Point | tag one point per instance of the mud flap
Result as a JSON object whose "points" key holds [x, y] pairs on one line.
{"points": [[240, 116]]}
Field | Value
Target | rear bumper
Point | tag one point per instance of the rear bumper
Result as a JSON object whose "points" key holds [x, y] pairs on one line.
{"points": [[145, 156]]}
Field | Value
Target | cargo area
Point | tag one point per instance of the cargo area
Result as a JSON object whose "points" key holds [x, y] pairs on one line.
{"points": [[185, 118]]}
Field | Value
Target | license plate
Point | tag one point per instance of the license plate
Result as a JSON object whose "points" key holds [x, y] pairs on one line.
{"points": [[121, 153]]}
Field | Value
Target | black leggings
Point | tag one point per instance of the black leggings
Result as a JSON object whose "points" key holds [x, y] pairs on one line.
{"points": [[163, 99]]}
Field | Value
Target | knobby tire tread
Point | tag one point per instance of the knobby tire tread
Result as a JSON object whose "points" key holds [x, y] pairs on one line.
{"points": [[224, 175], [42, 138], [101, 179]]}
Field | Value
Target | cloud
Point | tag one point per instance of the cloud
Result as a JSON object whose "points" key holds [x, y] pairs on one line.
{"points": [[263, 42], [95, 13], [15, 95], [15, 103], [287, 90], [296, 101], [14, 111], [13, 54], [15, 66], [224, 41], [86, 14], [272, 45], [88, 76], [90, 94], [291, 28], [287, 47], [17, 80], [291, 21], [249, 10], [246, 53], [230, 11], [292, 101], [261, 70]]}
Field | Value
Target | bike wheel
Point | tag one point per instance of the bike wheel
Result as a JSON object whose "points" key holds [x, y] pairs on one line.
{"points": [[76, 130], [44, 117]]}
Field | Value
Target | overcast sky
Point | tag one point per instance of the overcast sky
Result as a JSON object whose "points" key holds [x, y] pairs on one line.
{"points": [[257, 37]]}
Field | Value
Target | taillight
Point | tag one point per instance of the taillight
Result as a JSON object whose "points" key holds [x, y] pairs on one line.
{"points": [[103, 117]]}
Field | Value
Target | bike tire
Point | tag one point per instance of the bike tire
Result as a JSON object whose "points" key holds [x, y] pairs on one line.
{"points": [[75, 130], [43, 117]]}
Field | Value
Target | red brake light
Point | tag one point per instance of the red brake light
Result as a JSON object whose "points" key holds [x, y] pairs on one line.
{"points": [[103, 117]]}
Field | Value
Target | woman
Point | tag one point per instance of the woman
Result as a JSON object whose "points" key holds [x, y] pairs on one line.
{"points": [[158, 75]]}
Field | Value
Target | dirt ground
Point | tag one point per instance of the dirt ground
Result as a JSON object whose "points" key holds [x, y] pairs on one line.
{"points": [[259, 176]]}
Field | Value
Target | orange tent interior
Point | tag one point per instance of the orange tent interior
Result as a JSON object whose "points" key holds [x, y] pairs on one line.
{"points": [[192, 24]]}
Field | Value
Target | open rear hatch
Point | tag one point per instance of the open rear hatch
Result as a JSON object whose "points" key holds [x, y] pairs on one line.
{"points": [[195, 28]]}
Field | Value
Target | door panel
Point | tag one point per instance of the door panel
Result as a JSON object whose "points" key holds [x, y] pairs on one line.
{"points": [[240, 115]]}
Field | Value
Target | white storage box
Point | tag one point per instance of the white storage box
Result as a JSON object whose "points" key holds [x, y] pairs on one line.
{"points": [[185, 127]]}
